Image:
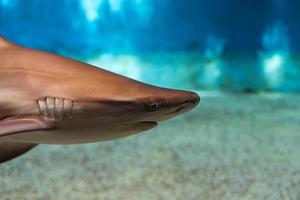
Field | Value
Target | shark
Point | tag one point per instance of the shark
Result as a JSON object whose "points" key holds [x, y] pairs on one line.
{"points": [[50, 99]]}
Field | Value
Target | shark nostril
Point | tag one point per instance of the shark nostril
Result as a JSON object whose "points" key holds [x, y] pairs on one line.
{"points": [[180, 108]]}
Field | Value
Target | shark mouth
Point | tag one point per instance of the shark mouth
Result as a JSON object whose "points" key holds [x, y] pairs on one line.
{"points": [[141, 126]]}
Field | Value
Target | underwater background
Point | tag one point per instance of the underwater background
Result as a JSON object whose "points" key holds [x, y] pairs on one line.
{"points": [[242, 57]]}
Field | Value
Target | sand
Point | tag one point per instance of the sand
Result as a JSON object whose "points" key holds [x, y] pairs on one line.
{"points": [[233, 146]]}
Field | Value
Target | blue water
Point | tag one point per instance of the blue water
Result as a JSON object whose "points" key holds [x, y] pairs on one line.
{"points": [[223, 44], [232, 146]]}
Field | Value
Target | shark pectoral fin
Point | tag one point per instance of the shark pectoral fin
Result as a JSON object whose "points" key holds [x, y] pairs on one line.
{"points": [[11, 126], [11, 150]]}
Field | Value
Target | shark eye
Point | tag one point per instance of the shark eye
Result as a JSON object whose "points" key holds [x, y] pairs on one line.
{"points": [[153, 107]]}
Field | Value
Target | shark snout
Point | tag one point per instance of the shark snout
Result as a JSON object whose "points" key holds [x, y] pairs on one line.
{"points": [[187, 101], [193, 98], [176, 104]]}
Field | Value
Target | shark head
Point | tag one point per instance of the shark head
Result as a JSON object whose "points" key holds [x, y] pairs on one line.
{"points": [[137, 110], [83, 103], [120, 106]]}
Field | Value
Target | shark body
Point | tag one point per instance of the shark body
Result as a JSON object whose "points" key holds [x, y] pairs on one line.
{"points": [[50, 99]]}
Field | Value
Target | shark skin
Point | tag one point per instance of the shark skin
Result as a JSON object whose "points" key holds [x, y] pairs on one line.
{"points": [[50, 99]]}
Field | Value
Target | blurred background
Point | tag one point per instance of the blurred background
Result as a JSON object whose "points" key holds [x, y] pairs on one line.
{"points": [[242, 57], [199, 44]]}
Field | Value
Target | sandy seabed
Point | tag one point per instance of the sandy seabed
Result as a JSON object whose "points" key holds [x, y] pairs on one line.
{"points": [[233, 146]]}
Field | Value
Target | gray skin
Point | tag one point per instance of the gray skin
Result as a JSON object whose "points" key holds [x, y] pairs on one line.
{"points": [[49, 99]]}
